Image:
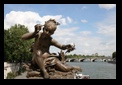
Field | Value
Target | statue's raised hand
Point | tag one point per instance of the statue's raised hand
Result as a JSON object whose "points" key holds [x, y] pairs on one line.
{"points": [[37, 28]]}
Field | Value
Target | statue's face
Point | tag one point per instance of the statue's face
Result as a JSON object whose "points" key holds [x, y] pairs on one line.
{"points": [[50, 28], [49, 31]]}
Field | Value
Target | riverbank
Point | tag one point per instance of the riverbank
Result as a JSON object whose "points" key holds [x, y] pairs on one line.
{"points": [[22, 76], [114, 62]]}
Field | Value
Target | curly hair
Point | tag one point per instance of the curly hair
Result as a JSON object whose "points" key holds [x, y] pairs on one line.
{"points": [[51, 23]]}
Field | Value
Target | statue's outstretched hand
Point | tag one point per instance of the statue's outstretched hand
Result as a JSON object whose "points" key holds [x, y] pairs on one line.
{"points": [[70, 47]]}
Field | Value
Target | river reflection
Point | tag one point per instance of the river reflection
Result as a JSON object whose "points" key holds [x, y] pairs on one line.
{"points": [[97, 70]]}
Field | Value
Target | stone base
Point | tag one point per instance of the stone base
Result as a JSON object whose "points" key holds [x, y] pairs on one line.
{"points": [[57, 75], [53, 75], [34, 73]]}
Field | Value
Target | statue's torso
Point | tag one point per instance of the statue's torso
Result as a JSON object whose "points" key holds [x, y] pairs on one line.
{"points": [[42, 44]]}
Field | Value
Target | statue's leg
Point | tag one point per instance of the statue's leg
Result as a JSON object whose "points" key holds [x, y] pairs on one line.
{"points": [[33, 59], [77, 68], [40, 62], [62, 67], [65, 68]]}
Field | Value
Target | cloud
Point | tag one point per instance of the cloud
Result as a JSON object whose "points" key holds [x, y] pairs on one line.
{"points": [[84, 21], [65, 32], [29, 19], [107, 29], [85, 32], [25, 18], [107, 6], [108, 26], [69, 19]]}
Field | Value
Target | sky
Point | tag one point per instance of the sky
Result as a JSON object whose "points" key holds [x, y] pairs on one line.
{"points": [[91, 27]]}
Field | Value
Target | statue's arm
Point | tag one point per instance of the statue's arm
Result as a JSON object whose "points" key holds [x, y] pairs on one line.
{"points": [[32, 34], [56, 44], [28, 36], [61, 46]]}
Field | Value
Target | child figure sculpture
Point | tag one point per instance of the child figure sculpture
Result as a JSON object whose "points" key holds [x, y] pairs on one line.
{"points": [[42, 43]]}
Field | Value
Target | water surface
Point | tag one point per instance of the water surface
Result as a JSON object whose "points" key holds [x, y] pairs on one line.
{"points": [[97, 70]]}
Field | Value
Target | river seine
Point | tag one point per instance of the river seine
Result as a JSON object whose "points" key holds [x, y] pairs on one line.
{"points": [[97, 70]]}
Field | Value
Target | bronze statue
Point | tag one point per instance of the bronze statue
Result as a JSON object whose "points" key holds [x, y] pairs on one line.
{"points": [[40, 49]]}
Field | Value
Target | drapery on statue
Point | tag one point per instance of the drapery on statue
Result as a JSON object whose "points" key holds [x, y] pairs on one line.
{"points": [[42, 58]]}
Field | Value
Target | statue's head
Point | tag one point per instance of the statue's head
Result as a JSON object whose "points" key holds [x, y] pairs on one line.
{"points": [[50, 26]]}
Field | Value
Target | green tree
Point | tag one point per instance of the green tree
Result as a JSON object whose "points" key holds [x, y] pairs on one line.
{"points": [[15, 49]]}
